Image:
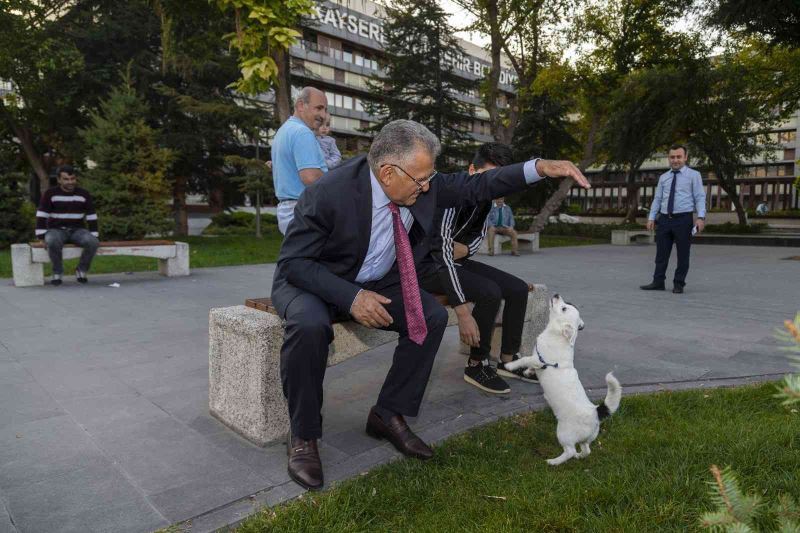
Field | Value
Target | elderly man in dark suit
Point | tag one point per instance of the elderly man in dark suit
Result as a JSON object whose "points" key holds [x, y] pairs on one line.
{"points": [[353, 248]]}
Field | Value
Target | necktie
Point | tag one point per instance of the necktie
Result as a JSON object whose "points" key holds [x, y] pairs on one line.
{"points": [[500, 218], [412, 303], [671, 201]]}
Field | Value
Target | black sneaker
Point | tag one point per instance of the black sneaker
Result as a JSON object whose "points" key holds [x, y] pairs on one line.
{"points": [[80, 275], [485, 377], [56, 281], [516, 374]]}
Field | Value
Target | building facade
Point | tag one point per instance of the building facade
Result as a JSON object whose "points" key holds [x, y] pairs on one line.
{"points": [[342, 47], [769, 179]]}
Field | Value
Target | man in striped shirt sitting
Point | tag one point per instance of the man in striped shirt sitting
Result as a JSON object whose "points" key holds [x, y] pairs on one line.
{"points": [[60, 220]]}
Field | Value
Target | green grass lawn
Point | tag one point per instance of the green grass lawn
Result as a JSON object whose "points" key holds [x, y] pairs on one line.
{"points": [[226, 250], [648, 471]]}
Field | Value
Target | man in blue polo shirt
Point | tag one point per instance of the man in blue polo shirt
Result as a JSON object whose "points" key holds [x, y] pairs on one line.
{"points": [[678, 195], [297, 159]]}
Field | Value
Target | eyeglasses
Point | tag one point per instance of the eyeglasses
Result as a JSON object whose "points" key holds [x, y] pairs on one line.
{"points": [[420, 183]]}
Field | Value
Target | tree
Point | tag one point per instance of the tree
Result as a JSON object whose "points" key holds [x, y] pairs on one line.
{"points": [[529, 32], [264, 33], [625, 38], [41, 63], [728, 117], [777, 20], [419, 82], [202, 118], [129, 181], [255, 179]]}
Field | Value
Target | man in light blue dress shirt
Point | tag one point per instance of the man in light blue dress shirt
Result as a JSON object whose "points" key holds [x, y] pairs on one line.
{"points": [[297, 159], [678, 195]]}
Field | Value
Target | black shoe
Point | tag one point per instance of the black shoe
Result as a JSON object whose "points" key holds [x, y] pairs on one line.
{"points": [[516, 374], [655, 286], [396, 431], [677, 289], [485, 377], [81, 276], [55, 282]]}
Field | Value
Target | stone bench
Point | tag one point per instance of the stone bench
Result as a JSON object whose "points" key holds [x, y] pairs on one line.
{"points": [[27, 260], [528, 242], [245, 391], [625, 237]]}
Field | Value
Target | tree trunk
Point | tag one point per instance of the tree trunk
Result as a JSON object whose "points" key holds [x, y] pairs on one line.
{"points": [[492, 82], [540, 220], [729, 186], [633, 202], [283, 88], [258, 214], [179, 205], [33, 157]]}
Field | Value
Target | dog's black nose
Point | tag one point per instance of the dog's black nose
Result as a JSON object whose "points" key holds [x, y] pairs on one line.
{"points": [[580, 328], [555, 296]]}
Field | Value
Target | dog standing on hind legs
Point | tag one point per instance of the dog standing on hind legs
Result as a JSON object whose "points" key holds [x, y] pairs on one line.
{"points": [[552, 361]]}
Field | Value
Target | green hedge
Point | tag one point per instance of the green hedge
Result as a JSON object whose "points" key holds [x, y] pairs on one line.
{"points": [[239, 223]]}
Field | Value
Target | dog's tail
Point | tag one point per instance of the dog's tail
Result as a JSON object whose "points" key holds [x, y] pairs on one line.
{"points": [[611, 403]]}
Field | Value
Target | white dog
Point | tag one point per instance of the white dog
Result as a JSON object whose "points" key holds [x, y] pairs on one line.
{"points": [[552, 359]]}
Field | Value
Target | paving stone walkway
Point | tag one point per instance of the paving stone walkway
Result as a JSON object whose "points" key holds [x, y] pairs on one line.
{"points": [[104, 422]]}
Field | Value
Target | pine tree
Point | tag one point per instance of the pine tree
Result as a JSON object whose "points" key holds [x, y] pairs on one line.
{"points": [[128, 182], [419, 80]]}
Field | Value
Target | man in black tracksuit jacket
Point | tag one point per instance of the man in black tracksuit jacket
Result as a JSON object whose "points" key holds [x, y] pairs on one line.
{"points": [[461, 231]]}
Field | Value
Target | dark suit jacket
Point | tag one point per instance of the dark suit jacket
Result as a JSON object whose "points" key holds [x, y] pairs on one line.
{"points": [[327, 241]]}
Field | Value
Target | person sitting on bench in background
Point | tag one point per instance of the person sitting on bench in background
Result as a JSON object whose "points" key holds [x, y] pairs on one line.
{"points": [[60, 220], [501, 220]]}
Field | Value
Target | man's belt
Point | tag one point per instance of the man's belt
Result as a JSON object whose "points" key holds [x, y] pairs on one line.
{"points": [[677, 215]]}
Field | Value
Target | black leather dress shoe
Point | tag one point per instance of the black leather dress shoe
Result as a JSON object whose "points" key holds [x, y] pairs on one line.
{"points": [[305, 468], [677, 289], [399, 434], [653, 287]]}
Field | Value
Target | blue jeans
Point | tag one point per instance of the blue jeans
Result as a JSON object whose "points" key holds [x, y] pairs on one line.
{"points": [[56, 238]]}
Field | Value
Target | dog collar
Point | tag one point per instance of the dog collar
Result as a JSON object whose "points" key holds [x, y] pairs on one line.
{"points": [[545, 364]]}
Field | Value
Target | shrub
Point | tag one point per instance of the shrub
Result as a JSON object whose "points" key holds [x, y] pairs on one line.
{"points": [[17, 215], [238, 223]]}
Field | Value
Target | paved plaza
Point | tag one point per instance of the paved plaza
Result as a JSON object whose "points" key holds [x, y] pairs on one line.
{"points": [[104, 422]]}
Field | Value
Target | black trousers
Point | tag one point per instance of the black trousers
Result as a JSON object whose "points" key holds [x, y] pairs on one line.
{"points": [[678, 231], [486, 287], [304, 357]]}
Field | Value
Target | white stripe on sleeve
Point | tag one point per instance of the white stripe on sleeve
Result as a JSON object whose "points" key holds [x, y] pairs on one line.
{"points": [[72, 216], [74, 198], [93, 216], [42, 214], [40, 232], [447, 252]]}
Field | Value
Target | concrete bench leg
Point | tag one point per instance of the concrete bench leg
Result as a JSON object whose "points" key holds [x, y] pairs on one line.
{"points": [[26, 272], [245, 391], [178, 265], [536, 315]]}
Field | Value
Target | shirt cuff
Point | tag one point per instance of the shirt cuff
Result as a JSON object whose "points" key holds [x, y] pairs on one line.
{"points": [[531, 175], [350, 312]]}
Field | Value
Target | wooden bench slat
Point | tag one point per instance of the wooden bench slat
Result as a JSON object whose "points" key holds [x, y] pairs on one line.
{"points": [[265, 304], [116, 244]]}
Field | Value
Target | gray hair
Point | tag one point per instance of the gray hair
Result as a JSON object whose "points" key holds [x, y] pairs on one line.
{"points": [[398, 141], [305, 95]]}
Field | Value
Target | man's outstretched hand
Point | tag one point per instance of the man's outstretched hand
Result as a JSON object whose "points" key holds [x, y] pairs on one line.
{"points": [[368, 310], [562, 169]]}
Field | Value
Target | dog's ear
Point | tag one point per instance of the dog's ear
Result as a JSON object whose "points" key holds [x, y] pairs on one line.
{"points": [[569, 332]]}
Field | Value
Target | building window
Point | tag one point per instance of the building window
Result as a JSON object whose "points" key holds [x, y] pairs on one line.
{"points": [[789, 154], [358, 105], [787, 136], [338, 100], [348, 102]]}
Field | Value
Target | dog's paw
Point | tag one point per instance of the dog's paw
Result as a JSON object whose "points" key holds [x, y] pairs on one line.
{"points": [[529, 373], [553, 462]]}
